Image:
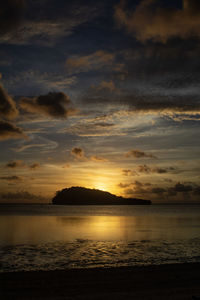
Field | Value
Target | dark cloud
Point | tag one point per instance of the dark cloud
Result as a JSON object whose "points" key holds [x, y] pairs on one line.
{"points": [[15, 164], [78, 152], [150, 21], [178, 191], [11, 178], [157, 190], [34, 166], [10, 131], [7, 105], [20, 164], [139, 154], [153, 98], [124, 185], [126, 172], [55, 105], [11, 13], [164, 104], [182, 188], [159, 170]]}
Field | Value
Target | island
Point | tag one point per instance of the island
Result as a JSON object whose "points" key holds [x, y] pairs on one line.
{"points": [[84, 196]]}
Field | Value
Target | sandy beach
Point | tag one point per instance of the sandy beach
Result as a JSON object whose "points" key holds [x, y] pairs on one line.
{"points": [[175, 281]]}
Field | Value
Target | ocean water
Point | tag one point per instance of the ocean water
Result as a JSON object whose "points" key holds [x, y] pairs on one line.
{"points": [[47, 237]]}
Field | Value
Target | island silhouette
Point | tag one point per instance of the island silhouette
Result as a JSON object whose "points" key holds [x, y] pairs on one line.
{"points": [[84, 196]]}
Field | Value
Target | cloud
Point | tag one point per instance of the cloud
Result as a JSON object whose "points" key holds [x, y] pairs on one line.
{"points": [[11, 178], [55, 105], [96, 158], [7, 105], [43, 23], [15, 164], [150, 21], [93, 61], [124, 185], [179, 191], [152, 99], [159, 170], [11, 13], [31, 79], [139, 154], [127, 172], [20, 164], [10, 131], [45, 145], [181, 188], [106, 85], [78, 153], [175, 105], [92, 128], [34, 166]]}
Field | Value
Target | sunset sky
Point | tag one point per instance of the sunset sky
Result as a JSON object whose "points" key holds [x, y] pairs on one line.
{"points": [[101, 94]]}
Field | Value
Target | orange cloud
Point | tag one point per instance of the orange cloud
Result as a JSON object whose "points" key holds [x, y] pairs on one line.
{"points": [[151, 21], [98, 158]]}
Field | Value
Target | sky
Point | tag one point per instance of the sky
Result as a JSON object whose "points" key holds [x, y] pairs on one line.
{"points": [[100, 94]]}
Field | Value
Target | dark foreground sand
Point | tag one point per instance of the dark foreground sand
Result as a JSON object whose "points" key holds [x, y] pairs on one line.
{"points": [[178, 281]]}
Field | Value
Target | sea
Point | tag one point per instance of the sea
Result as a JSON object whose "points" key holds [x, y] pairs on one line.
{"points": [[51, 237]]}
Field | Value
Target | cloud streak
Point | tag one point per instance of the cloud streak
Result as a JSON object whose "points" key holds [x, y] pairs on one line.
{"points": [[93, 61], [92, 128], [96, 158], [11, 178], [139, 154], [21, 196]]}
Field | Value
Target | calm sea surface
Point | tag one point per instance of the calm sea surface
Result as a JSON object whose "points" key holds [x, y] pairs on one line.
{"points": [[47, 237]]}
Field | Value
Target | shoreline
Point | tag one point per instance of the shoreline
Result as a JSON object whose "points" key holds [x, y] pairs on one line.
{"points": [[170, 281]]}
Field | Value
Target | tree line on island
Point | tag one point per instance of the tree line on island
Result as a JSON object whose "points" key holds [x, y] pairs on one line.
{"points": [[85, 196]]}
